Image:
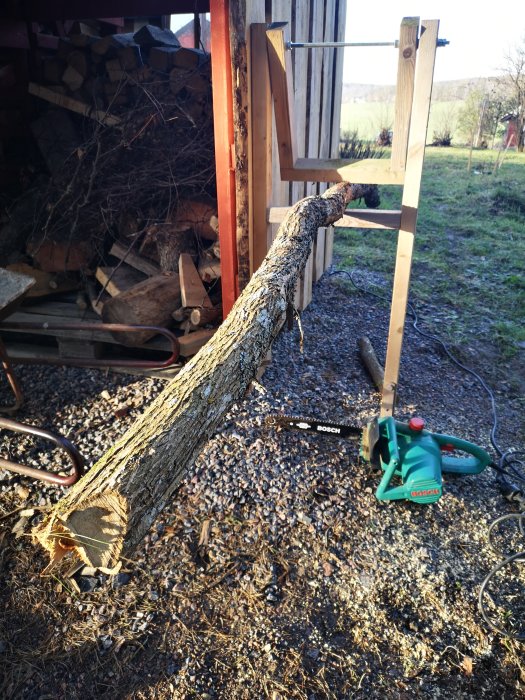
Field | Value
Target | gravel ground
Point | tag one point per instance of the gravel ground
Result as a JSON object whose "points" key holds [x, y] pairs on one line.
{"points": [[275, 573]]}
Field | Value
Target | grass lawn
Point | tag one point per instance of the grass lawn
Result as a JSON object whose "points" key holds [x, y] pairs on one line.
{"points": [[367, 118], [469, 253]]}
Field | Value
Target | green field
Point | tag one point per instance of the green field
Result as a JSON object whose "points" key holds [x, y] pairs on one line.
{"points": [[469, 258], [368, 118]]}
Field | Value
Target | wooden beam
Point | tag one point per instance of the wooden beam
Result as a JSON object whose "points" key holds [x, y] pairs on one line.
{"points": [[115, 280], [40, 11], [131, 258], [70, 103], [239, 34], [404, 90], [191, 343], [426, 55], [261, 146], [294, 169], [353, 218], [340, 23], [223, 131], [367, 171], [282, 90]]}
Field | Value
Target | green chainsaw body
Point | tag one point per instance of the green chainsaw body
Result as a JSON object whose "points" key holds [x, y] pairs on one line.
{"points": [[413, 456]]}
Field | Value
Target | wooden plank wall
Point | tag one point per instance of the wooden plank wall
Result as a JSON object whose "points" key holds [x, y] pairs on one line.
{"points": [[317, 92]]}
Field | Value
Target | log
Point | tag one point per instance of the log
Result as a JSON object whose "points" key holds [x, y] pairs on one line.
{"points": [[149, 36], [202, 316], [209, 269], [199, 217], [371, 362], [106, 514], [148, 303]]}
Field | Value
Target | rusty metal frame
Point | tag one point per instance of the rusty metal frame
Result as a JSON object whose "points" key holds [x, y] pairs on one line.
{"points": [[71, 451], [92, 362]]}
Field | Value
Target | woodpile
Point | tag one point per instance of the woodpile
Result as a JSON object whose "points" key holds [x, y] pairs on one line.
{"points": [[123, 202]]}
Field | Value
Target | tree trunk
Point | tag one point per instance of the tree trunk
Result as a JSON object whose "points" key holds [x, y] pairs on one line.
{"points": [[112, 507]]}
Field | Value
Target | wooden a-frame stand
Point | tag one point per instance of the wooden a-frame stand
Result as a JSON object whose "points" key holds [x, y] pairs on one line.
{"points": [[417, 51]]}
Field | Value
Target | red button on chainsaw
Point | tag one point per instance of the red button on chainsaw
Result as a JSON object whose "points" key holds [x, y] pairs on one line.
{"points": [[416, 424]]}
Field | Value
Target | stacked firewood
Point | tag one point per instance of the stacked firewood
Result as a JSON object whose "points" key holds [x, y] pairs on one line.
{"points": [[124, 126]]}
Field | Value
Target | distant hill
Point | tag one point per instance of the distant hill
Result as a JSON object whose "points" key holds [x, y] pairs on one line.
{"points": [[445, 91]]}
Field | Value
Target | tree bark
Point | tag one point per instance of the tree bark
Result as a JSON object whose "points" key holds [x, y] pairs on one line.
{"points": [[112, 507]]}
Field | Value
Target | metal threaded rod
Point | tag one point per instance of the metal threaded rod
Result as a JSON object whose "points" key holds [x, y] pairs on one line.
{"points": [[342, 44], [336, 44]]}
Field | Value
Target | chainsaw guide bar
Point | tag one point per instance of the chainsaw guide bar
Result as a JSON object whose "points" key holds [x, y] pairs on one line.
{"points": [[313, 425]]}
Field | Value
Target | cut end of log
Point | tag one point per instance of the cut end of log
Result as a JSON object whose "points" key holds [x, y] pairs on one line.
{"points": [[93, 532]]}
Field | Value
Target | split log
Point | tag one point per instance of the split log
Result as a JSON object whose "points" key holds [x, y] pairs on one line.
{"points": [[150, 35], [192, 290], [148, 303], [113, 506]]}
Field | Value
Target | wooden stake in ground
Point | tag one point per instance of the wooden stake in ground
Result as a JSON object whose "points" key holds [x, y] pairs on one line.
{"points": [[112, 507]]}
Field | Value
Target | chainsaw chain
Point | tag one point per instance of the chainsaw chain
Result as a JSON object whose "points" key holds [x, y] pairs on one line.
{"points": [[314, 425]]}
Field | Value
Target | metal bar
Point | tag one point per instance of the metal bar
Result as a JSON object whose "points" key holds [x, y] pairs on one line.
{"points": [[337, 44], [71, 451], [112, 328], [13, 381], [344, 44]]}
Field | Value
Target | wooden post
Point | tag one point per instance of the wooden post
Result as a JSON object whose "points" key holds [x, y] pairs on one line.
{"points": [[416, 152], [223, 130], [239, 70], [261, 146], [404, 90]]}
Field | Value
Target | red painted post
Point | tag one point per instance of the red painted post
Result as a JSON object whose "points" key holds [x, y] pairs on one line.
{"points": [[224, 154]]}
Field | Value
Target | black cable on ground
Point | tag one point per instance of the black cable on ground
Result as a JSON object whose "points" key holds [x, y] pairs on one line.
{"points": [[509, 465], [517, 557]]}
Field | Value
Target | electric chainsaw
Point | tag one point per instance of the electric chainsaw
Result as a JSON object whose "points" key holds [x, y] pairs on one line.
{"points": [[412, 459]]}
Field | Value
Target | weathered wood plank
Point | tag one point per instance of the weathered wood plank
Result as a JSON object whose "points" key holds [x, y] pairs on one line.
{"points": [[261, 146], [191, 343], [115, 280], [352, 218], [426, 55], [70, 103], [192, 290], [127, 255], [404, 90]]}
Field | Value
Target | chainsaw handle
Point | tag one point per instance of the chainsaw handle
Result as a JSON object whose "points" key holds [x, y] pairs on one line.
{"points": [[462, 465]]}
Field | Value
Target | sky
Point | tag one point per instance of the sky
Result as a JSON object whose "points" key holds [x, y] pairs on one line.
{"points": [[480, 36]]}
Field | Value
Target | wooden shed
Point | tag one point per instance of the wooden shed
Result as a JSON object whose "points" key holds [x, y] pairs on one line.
{"points": [[276, 114]]}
